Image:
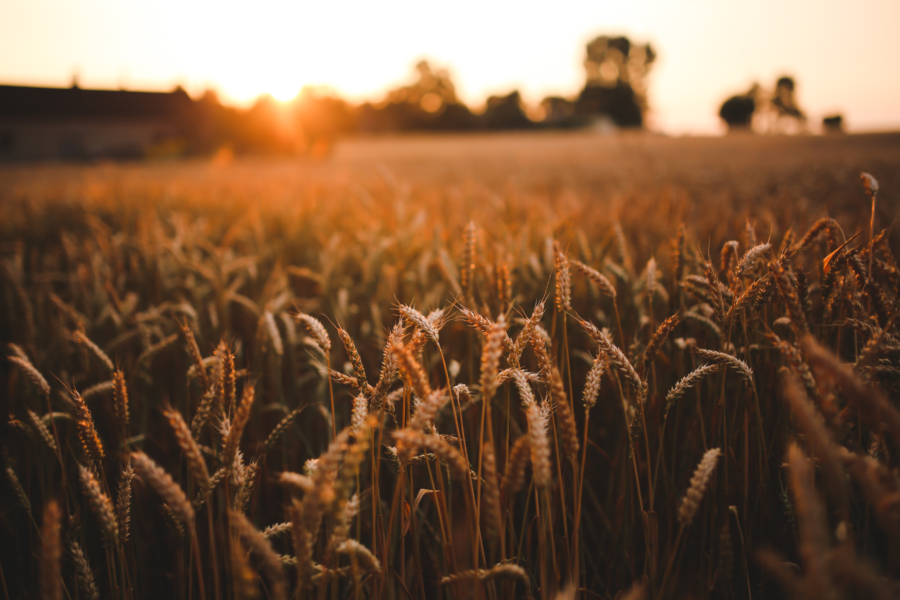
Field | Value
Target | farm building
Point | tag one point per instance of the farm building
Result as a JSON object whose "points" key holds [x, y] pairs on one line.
{"points": [[78, 124]]}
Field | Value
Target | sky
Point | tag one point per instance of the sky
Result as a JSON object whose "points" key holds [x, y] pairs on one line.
{"points": [[845, 56]]}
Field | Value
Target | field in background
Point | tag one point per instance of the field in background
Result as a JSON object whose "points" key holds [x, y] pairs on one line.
{"points": [[111, 274]]}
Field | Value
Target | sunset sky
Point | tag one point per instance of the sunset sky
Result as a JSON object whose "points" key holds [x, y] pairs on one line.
{"points": [[844, 55]]}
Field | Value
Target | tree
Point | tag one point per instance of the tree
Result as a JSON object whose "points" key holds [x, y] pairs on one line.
{"points": [[783, 104], [616, 80], [783, 100], [506, 112], [833, 124], [428, 103], [737, 111]]}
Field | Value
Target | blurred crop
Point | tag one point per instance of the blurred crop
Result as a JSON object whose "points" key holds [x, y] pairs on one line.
{"points": [[650, 381]]}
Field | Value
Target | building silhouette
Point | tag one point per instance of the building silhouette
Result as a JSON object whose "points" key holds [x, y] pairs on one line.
{"points": [[78, 124]]}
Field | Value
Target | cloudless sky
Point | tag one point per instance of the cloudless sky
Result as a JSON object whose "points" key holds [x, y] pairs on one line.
{"points": [[844, 55]]}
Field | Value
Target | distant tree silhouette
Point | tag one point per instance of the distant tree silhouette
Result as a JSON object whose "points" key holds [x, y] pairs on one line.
{"points": [[783, 100], [616, 82], [560, 112], [428, 103], [506, 112], [777, 110], [783, 104], [737, 111], [833, 124]]}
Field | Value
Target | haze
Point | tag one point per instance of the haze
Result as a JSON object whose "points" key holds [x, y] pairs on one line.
{"points": [[844, 57]]}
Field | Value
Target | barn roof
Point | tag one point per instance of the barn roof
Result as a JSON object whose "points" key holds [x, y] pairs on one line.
{"points": [[74, 102]]}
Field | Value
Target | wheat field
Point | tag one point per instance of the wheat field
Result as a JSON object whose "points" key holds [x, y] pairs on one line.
{"points": [[519, 366]]}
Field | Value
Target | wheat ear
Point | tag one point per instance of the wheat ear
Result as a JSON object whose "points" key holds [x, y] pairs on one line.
{"points": [[563, 280], [491, 493], [409, 440], [411, 370], [316, 330], [42, 430], [196, 357], [87, 433], [83, 340], [83, 574], [359, 370], [540, 444], [501, 571], [656, 342], [236, 430], [419, 320], [686, 383], [163, 484], [365, 557], [33, 375], [490, 359], [257, 543], [598, 278], [123, 502], [101, 506], [691, 503], [189, 447], [519, 455], [566, 419], [728, 360]]}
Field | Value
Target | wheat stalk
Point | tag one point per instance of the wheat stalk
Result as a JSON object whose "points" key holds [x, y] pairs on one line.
{"points": [[51, 585], [273, 334]]}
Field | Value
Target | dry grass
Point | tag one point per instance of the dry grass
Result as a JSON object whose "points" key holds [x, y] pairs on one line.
{"points": [[711, 306]]}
